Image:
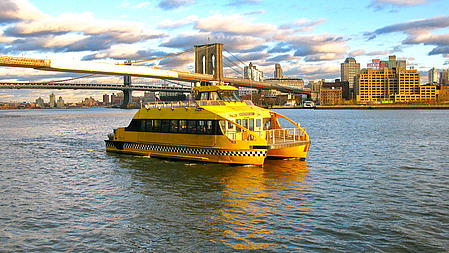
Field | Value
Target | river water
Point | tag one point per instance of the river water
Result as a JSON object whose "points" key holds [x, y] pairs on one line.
{"points": [[374, 180]]}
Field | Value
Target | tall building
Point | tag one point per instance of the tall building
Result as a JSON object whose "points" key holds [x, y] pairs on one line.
{"points": [[278, 71], [106, 99], [432, 76], [393, 63], [251, 72], [350, 69], [52, 100], [392, 84], [60, 103], [444, 77], [40, 102]]}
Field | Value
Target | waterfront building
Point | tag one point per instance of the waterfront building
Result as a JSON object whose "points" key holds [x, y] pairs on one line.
{"points": [[105, 99], [60, 103], [40, 102], [392, 84], [344, 85], [444, 77], [278, 71], [432, 76], [350, 69], [52, 100], [331, 96]]}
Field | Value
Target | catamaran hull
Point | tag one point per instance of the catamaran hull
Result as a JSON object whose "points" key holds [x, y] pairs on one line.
{"points": [[249, 157], [299, 152]]}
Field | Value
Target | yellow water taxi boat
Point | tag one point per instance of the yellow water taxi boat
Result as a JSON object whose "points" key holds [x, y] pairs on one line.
{"points": [[215, 126]]}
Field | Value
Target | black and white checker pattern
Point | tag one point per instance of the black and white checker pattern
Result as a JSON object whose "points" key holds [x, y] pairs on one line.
{"points": [[191, 150]]}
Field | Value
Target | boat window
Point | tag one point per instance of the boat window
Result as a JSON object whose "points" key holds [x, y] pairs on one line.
{"points": [[156, 125], [165, 126], [174, 126], [201, 127], [245, 123], [251, 124], [209, 127], [134, 125], [267, 124], [191, 126], [214, 96], [183, 126], [239, 122], [149, 125], [230, 125], [229, 95], [258, 122]]}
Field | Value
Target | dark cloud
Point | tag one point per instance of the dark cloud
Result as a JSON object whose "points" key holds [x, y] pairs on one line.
{"points": [[186, 41], [174, 4], [281, 47], [425, 24], [254, 49], [8, 11], [138, 55], [419, 32], [440, 50], [279, 58]]}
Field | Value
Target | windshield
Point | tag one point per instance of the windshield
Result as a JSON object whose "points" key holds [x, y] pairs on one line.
{"points": [[229, 95]]}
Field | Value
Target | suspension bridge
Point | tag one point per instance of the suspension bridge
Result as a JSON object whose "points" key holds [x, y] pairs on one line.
{"points": [[209, 67]]}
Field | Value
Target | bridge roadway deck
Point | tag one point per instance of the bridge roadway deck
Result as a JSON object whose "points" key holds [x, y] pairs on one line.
{"points": [[91, 86]]}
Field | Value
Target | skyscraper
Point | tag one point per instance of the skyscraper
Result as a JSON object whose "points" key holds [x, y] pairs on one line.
{"points": [[444, 79], [432, 75], [278, 71], [350, 69], [52, 100]]}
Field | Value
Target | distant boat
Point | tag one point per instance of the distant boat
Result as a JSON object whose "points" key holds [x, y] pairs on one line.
{"points": [[309, 104]]}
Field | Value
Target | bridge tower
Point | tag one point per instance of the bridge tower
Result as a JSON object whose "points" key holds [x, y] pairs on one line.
{"points": [[127, 93], [209, 60]]}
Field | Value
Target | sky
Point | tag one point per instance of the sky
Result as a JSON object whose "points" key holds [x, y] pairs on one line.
{"points": [[309, 38]]}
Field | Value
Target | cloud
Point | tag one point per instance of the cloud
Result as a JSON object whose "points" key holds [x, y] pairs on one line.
{"points": [[125, 52], [257, 12], [419, 32], [306, 25], [357, 52], [243, 2], [15, 10], [127, 5], [318, 47], [282, 57], [234, 24], [233, 43], [167, 23], [174, 4], [73, 33], [397, 2], [315, 71]]}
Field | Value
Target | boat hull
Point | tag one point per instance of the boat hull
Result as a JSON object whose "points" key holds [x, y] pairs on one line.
{"points": [[299, 151], [242, 156]]}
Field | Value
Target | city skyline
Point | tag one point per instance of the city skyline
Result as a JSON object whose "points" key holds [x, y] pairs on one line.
{"points": [[310, 39]]}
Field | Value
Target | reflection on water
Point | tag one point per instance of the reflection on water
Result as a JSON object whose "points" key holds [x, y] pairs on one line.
{"points": [[240, 205], [251, 202]]}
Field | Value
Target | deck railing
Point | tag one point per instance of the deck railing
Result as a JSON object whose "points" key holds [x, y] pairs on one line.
{"points": [[191, 103], [285, 135]]}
